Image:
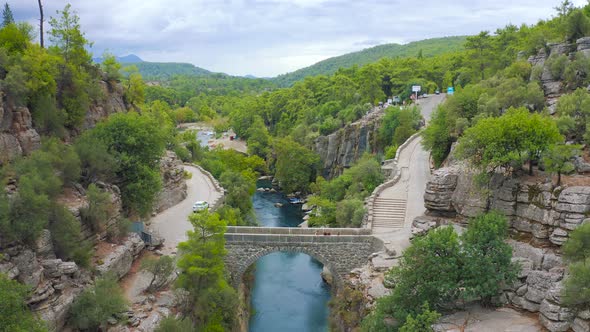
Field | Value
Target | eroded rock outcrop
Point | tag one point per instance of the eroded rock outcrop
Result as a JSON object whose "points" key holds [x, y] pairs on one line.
{"points": [[342, 148], [118, 261], [55, 283], [17, 135], [173, 182], [554, 87]]}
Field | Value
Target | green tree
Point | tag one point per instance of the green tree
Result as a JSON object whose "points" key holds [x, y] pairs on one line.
{"points": [[7, 17], [509, 140], [160, 268], [92, 309], [111, 67], [558, 159], [15, 316], [479, 47], [213, 301], [97, 163], [137, 142], [577, 247], [134, 86], [577, 25], [576, 251], [487, 257], [295, 165], [67, 37], [429, 271], [422, 322], [573, 110]]}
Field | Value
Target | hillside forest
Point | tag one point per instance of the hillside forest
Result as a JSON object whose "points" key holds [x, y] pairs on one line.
{"points": [[497, 120]]}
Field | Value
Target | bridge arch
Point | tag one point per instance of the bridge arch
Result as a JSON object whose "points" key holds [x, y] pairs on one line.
{"points": [[238, 273]]}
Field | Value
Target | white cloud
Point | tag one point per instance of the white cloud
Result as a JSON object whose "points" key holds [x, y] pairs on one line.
{"points": [[269, 37]]}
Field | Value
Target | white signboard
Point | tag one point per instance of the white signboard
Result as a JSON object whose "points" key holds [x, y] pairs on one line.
{"points": [[416, 88]]}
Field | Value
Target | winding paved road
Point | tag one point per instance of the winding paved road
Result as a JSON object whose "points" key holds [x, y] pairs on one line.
{"points": [[396, 207], [172, 224]]}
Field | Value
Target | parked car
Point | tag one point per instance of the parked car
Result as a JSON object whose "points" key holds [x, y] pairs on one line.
{"points": [[437, 92], [200, 206]]}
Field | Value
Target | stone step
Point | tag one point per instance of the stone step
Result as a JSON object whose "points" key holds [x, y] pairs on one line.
{"points": [[389, 215], [389, 205], [393, 201], [387, 225], [381, 208]]}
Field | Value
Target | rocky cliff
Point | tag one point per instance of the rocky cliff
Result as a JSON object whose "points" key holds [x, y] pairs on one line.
{"points": [[18, 135], [541, 217], [173, 182], [554, 87], [342, 148]]}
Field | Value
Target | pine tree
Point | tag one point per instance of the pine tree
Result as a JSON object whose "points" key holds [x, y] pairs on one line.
{"points": [[7, 17]]}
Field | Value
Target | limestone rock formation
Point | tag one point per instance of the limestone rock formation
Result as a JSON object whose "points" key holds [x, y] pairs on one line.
{"points": [[112, 103], [54, 283], [541, 213], [17, 136], [342, 148], [173, 182], [119, 261]]}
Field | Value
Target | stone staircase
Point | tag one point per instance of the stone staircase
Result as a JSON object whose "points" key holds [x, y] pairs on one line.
{"points": [[389, 213]]}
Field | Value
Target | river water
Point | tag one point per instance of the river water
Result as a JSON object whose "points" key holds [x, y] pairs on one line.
{"points": [[288, 292]]}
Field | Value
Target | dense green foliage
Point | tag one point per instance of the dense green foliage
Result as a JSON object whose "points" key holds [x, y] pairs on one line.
{"points": [[295, 165], [576, 250], [15, 316], [136, 142], [438, 269], [506, 142], [339, 201], [427, 48], [213, 301], [92, 309]]}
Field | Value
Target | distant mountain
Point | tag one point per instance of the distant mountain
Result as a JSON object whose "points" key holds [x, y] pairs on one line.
{"points": [[131, 58], [429, 47]]}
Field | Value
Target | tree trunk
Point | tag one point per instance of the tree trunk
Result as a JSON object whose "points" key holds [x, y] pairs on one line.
{"points": [[531, 165], [41, 23], [558, 178]]}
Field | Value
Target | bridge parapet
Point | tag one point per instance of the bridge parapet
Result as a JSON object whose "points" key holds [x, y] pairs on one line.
{"points": [[297, 231]]}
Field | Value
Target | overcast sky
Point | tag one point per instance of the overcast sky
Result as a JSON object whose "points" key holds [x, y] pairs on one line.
{"points": [[270, 37]]}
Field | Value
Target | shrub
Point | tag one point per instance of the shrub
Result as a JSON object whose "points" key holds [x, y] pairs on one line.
{"points": [[99, 208], [15, 316], [160, 268], [557, 64], [422, 322], [92, 309], [350, 213], [171, 324], [119, 230], [487, 257], [67, 237]]}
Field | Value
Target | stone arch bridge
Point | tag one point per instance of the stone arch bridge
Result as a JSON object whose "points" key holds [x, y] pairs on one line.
{"points": [[339, 249]]}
